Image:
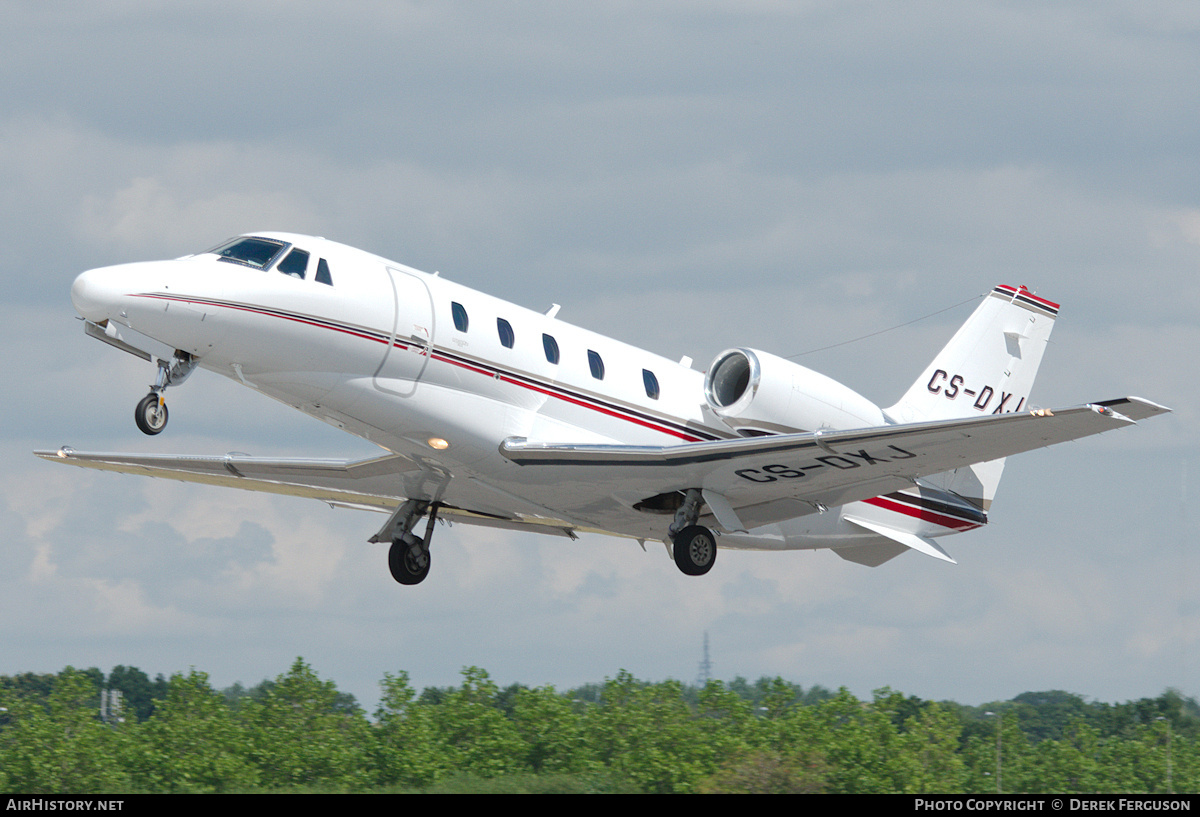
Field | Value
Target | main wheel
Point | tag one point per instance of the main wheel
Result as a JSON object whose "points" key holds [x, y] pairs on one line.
{"points": [[409, 563], [695, 549], [151, 414]]}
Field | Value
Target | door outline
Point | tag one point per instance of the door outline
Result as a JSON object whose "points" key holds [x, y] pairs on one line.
{"points": [[419, 340]]}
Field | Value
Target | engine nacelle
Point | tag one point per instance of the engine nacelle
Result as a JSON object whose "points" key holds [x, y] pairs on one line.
{"points": [[760, 393]]}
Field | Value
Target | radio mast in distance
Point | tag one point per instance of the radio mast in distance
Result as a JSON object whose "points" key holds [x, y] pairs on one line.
{"points": [[705, 674]]}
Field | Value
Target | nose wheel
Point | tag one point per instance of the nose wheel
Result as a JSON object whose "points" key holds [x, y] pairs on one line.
{"points": [[151, 414]]}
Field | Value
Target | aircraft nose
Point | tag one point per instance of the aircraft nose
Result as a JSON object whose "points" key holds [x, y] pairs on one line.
{"points": [[95, 294]]}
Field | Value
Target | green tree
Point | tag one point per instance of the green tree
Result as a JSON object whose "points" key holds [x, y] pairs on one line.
{"points": [[301, 735], [1075, 763], [862, 744], [727, 720], [138, 692], [551, 732], [766, 771], [192, 743], [405, 749], [1016, 769], [647, 734], [472, 734], [931, 738], [776, 696], [58, 746]]}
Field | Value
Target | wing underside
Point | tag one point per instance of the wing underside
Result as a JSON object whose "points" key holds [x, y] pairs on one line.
{"points": [[769, 479], [562, 489], [376, 484]]}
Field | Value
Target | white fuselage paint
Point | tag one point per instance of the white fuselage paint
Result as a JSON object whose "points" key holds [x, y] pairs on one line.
{"points": [[377, 353]]}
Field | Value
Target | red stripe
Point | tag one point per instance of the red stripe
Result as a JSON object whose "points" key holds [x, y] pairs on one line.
{"points": [[1025, 293], [462, 364], [923, 514], [1031, 296]]}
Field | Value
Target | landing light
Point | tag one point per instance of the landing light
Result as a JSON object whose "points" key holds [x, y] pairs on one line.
{"points": [[438, 444]]}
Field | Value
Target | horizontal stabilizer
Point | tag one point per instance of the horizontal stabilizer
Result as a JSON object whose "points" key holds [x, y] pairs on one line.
{"points": [[922, 544]]}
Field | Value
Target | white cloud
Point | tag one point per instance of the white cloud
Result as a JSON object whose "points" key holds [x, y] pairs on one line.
{"points": [[784, 176]]}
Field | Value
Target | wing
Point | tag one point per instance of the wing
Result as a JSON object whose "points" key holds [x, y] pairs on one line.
{"points": [[378, 484], [626, 490], [755, 481]]}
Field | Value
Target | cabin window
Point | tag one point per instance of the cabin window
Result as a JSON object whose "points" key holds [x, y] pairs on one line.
{"points": [[295, 264], [323, 276], [596, 365], [507, 338], [551, 347], [460, 316], [651, 383], [253, 252]]}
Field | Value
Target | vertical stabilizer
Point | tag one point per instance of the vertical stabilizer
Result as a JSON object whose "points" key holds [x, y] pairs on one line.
{"points": [[988, 367]]}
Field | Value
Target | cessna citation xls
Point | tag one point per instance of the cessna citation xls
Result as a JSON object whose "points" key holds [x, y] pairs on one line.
{"points": [[491, 414]]}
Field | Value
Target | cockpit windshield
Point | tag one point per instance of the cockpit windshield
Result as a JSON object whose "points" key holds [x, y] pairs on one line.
{"points": [[253, 252]]}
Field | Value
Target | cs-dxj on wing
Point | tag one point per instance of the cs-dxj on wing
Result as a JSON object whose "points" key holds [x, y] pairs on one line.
{"points": [[495, 415]]}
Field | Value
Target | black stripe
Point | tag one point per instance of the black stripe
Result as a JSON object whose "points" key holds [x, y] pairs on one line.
{"points": [[963, 512]]}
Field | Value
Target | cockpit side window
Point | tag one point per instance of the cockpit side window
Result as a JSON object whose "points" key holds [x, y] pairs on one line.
{"points": [[295, 264], [323, 273], [253, 252]]}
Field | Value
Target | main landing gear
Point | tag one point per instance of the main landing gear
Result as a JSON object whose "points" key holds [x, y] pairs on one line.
{"points": [[151, 412], [693, 546], [408, 557]]}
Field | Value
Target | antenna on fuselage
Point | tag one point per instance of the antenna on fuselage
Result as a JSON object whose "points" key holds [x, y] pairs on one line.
{"points": [[553, 310]]}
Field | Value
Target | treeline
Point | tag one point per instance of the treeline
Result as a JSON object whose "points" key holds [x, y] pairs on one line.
{"points": [[299, 733]]}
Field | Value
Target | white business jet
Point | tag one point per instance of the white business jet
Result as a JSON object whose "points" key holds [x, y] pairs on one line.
{"points": [[495, 415]]}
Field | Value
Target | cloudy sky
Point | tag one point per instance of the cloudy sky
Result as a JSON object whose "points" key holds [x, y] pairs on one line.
{"points": [[686, 176]]}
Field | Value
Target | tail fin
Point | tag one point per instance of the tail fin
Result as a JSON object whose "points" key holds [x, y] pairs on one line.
{"points": [[988, 367]]}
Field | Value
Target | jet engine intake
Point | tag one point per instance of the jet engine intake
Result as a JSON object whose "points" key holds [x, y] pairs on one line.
{"points": [[757, 393]]}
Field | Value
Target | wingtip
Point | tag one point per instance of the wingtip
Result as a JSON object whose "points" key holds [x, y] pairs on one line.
{"points": [[1133, 408], [62, 453]]}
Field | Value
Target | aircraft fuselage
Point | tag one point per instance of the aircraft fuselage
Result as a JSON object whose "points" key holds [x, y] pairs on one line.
{"points": [[443, 375]]}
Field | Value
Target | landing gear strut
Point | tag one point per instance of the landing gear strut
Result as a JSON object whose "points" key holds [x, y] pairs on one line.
{"points": [[151, 412], [693, 546], [408, 557]]}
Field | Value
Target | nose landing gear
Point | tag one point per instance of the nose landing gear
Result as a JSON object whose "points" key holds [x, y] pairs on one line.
{"points": [[151, 412]]}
